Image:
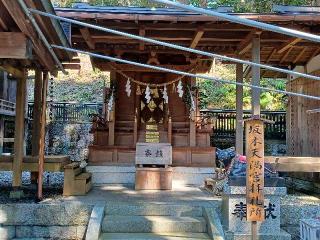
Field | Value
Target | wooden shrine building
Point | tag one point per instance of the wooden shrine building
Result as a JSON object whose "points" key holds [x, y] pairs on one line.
{"points": [[143, 105], [131, 118]]}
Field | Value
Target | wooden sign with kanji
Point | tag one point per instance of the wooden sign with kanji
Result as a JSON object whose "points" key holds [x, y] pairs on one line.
{"points": [[255, 169]]}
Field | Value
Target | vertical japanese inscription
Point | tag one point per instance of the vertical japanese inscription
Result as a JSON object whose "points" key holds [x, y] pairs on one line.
{"points": [[255, 170]]}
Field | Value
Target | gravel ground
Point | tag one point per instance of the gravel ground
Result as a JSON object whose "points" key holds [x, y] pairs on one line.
{"points": [[53, 185], [300, 199], [52, 179]]}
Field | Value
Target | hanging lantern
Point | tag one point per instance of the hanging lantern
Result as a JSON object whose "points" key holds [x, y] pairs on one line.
{"points": [[180, 89], [165, 95], [128, 88], [138, 91], [147, 94]]}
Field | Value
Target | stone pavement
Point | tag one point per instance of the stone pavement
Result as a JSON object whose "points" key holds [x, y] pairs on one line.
{"points": [[119, 193]]}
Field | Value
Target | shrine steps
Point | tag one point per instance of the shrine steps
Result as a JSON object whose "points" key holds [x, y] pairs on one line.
{"points": [[153, 221], [125, 174], [153, 224], [152, 209], [153, 236]]}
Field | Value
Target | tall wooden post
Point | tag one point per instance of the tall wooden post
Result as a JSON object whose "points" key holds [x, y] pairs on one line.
{"points": [[239, 109], [19, 130], [255, 172], [36, 119], [36, 112], [3, 89], [112, 117], [193, 130], [42, 132], [255, 101]]}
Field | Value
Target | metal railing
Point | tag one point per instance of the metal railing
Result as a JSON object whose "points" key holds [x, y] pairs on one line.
{"points": [[7, 108], [68, 111]]}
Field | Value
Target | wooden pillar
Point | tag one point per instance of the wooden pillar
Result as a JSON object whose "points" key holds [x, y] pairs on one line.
{"points": [[112, 117], [192, 133], [170, 130], [36, 119], [19, 130], [36, 112], [42, 134], [193, 130], [255, 101], [4, 96], [239, 109]]}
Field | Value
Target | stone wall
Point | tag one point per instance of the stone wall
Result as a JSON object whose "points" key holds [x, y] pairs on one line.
{"points": [[292, 212], [64, 138], [51, 221]]}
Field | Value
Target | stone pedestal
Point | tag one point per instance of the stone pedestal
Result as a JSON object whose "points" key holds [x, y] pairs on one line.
{"points": [[153, 154], [234, 214], [153, 178]]}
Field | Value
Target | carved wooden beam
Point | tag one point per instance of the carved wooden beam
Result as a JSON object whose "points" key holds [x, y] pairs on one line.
{"points": [[271, 55], [288, 45], [301, 53], [284, 57], [142, 33], [87, 37], [14, 45], [197, 37], [15, 11], [15, 72], [246, 43]]}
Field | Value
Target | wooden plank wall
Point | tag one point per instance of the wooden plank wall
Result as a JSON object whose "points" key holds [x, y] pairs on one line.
{"points": [[303, 129]]}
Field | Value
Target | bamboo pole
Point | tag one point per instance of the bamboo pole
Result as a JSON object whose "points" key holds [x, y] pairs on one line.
{"points": [[42, 133]]}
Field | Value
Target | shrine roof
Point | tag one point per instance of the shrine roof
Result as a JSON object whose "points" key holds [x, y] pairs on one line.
{"points": [[14, 22], [193, 30]]}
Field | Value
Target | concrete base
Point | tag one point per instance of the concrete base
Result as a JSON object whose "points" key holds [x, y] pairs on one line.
{"points": [[283, 235], [182, 176]]}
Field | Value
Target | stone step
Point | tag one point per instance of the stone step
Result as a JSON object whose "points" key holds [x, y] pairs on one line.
{"points": [[153, 209], [153, 236], [153, 224], [28, 239]]}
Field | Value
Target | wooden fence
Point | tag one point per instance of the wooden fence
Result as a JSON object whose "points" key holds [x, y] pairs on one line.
{"points": [[225, 120], [225, 125]]}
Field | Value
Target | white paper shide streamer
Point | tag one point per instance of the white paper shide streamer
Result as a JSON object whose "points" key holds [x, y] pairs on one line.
{"points": [[128, 88], [110, 103], [148, 94], [165, 95], [193, 104], [180, 89]]}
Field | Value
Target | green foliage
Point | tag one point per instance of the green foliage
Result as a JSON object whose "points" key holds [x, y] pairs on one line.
{"points": [[258, 6], [223, 96]]}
